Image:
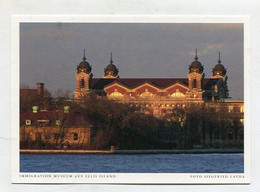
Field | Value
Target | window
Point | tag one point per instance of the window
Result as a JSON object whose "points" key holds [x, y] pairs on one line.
{"points": [[194, 83], [27, 122], [82, 83], [242, 109], [231, 122], [146, 94], [177, 94], [116, 94], [42, 123], [230, 109], [58, 122], [242, 121], [75, 136]]}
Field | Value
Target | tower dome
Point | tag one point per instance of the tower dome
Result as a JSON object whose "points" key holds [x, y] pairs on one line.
{"points": [[196, 66], [84, 66], [111, 69], [219, 69]]}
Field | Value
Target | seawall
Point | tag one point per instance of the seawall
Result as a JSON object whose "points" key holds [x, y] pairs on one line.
{"points": [[172, 151]]}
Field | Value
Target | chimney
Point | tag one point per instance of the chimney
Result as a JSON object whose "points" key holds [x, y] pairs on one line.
{"points": [[40, 88]]}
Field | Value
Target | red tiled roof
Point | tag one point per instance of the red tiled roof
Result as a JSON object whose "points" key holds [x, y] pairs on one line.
{"points": [[40, 115], [53, 115], [100, 83]]}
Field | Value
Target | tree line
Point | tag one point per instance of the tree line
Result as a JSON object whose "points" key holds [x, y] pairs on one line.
{"points": [[126, 126]]}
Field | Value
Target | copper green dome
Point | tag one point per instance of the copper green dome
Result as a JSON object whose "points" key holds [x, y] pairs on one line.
{"points": [[219, 69], [111, 69], [84, 66], [196, 66]]}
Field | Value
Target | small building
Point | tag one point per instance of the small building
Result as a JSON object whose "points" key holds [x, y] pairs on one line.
{"points": [[54, 129]]}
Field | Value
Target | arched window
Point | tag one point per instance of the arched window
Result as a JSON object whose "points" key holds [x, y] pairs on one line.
{"points": [[146, 94], [230, 134], [217, 134], [194, 83], [82, 83], [116, 94], [177, 94]]}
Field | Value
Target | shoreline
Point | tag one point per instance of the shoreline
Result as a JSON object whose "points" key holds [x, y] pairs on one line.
{"points": [[112, 152]]}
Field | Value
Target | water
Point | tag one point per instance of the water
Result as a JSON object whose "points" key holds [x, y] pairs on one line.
{"points": [[154, 163]]}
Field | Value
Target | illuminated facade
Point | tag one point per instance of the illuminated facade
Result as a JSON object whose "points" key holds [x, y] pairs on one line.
{"points": [[159, 96], [156, 93]]}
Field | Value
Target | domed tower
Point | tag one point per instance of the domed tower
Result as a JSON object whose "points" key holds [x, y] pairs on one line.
{"points": [[219, 70], [220, 88], [195, 78], [111, 71], [83, 77]]}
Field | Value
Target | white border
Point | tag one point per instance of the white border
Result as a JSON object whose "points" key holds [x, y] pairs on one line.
{"points": [[165, 178]]}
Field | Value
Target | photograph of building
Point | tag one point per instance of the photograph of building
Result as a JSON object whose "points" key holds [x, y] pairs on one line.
{"points": [[122, 110]]}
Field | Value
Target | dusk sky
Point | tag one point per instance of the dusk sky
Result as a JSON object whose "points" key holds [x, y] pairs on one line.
{"points": [[50, 53]]}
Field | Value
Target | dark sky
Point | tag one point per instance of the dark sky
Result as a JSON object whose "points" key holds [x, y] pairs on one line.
{"points": [[50, 52]]}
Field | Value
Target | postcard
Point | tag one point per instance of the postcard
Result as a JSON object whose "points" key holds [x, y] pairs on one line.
{"points": [[130, 99]]}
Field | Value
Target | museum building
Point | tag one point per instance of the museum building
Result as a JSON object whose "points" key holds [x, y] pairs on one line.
{"points": [[159, 96]]}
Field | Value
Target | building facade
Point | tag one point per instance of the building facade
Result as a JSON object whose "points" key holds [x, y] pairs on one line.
{"points": [[159, 96], [221, 119], [53, 129]]}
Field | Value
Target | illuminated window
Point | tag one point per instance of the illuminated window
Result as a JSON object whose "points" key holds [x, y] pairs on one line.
{"points": [[177, 94], [116, 94], [58, 122], [242, 121], [242, 109], [230, 108], [146, 94], [28, 122]]}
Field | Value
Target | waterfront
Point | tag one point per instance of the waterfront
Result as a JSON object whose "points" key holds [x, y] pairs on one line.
{"points": [[124, 163]]}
